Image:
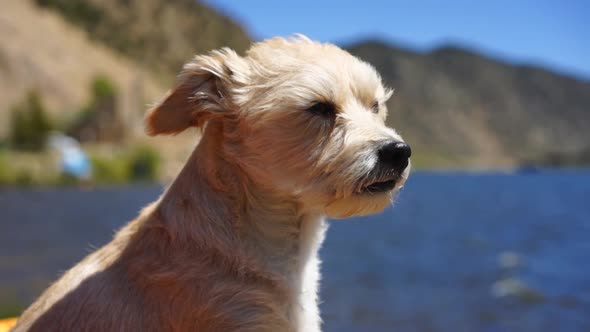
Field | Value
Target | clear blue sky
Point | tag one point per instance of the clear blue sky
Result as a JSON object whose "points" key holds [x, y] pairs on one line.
{"points": [[553, 34]]}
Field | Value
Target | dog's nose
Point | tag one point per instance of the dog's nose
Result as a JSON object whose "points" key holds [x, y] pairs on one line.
{"points": [[395, 155]]}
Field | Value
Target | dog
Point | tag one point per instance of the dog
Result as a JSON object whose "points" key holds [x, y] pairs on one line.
{"points": [[292, 132]]}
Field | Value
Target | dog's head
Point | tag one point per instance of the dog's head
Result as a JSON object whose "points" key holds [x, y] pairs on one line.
{"points": [[299, 118]]}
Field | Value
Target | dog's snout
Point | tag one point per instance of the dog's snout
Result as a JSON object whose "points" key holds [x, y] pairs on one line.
{"points": [[395, 155]]}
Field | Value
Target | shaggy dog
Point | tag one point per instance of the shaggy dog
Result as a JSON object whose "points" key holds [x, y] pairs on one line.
{"points": [[292, 132]]}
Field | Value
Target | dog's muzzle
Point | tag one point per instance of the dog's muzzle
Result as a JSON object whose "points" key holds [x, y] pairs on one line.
{"points": [[393, 158]]}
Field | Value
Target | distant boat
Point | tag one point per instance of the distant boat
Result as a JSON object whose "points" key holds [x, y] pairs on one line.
{"points": [[73, 160], [528, 169]]}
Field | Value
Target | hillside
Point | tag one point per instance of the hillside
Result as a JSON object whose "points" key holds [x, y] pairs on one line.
{"points": [[458, 108], [60, 62], [140, 45], [59, 47], [159, 35]]}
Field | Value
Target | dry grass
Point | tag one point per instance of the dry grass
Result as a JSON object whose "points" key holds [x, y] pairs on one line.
{"points": [[38, 50]]}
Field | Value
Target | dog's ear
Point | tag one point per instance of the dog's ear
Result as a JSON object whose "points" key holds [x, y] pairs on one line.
{"points": [[201, 93]]}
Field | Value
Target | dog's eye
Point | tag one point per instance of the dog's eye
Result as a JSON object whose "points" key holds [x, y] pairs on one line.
{"points": [[322, 109], [375, 107]]}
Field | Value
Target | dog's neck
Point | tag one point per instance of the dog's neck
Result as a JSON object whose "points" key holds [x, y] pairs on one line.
{"points": [[214, 204]]}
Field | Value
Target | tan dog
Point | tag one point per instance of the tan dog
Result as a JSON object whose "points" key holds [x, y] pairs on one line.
{"points": [[292, 132]]}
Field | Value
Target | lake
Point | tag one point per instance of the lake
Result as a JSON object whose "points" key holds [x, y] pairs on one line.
{"points": [[458, 252]]}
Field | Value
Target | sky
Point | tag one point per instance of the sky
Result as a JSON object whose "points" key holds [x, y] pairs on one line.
{"points": [[552, 34]]}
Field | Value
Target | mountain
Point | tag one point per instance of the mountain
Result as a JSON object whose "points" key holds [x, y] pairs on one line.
{"points": [[461, 109], [159, 35]]}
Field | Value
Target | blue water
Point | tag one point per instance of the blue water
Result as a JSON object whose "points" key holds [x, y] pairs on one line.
{"points": [[432, 263]]}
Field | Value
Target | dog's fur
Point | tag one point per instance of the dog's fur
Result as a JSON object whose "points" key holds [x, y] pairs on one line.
{"points": [[232, 244]]}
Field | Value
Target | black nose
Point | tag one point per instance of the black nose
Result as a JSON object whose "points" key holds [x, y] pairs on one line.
{"points": [[395, 155]]}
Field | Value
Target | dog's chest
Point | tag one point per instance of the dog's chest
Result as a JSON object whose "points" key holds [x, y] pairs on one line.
{"points": [[305, 279], [292, 256]]}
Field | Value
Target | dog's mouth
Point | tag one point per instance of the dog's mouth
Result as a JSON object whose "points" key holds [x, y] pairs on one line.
{"points": [[379, 187]]}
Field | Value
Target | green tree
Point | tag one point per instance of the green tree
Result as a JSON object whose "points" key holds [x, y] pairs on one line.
{"points": [[30, 124], [19, 128], [144, 164], [39, 121], [99, 120], [103, 87]]}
